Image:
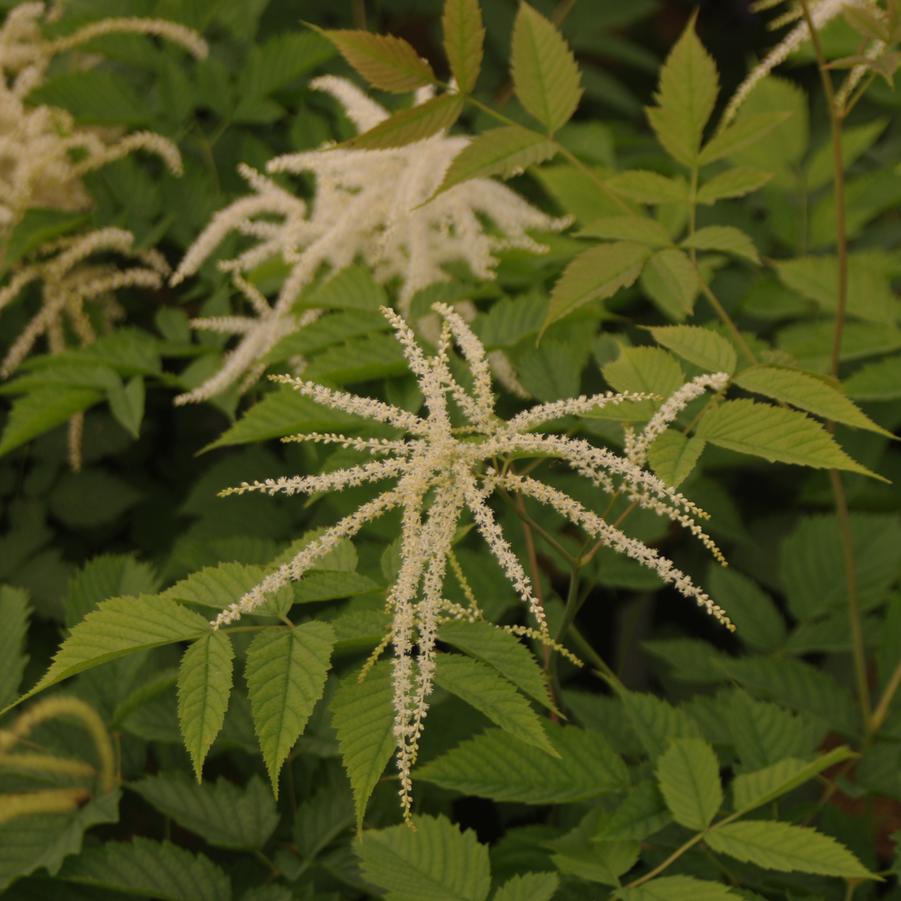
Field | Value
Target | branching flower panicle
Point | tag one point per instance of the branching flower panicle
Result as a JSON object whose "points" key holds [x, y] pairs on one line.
{"points": [[368, 204], [443, 471]]}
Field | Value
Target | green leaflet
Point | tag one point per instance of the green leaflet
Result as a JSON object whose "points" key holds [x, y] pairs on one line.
{"points": [[286, 671], [158, 869], [386, 62], [732, 183], [876, 381], [120, 626], [642, 229], [204, 686], [595, 274], [433, 862], [502, 651], [678, 888], [326, 332], [673, 456], [223, 814], [110, 575], [505, 152], [545, 74], [14, 615], [648, 187], [758, 622], [670, 279], [786, 848], [283, 412], [482, 687], [688, 775], [352, 288], [360, 359], [776, 434], [700, 346], [363, 718], [644, 370], [411, 125], [641, 814], [752, 790], [655, 722], [807, 392], [126, 403], [46, 840], [745, 131], [529, 887], [39, 411], [685, 97], [464, 36], [491, 766], [725, 239]]}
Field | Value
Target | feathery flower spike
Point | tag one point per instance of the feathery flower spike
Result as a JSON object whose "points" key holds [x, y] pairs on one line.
{"points": [[443, 472], [368, 204]]}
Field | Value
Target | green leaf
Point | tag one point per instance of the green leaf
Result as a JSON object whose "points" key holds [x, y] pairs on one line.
{"points": [[126, 403], [656, 722], [279, 61], [641, 814], [141, 866], [688, 774], [326, 332], [648, 187], [502, 651], [752, 790], [45, 840], [673, 456], [120, 626], [411, 125], [854, 142], [13, 630], [358, 360], [204, 686], [877, 381], [678, 888], [735, 182], [320, 820], [758, 622], [786, 848], [808, 392], [641, 229], [219, 586], [111, 497], [36, 227], [491, 766], [700, 346], [94, 98], [434, 861], [286, 673], [545, 74], [386, 62], [746, 130], [39, 411], [505, 152], [464, 36], [595, 274], [685, 97], [670, 279], [644, 369], [283, 412], [776, 434], [363, 718], [725, 239], [106, 576], [223, 814], [351, 288], [483, 688], [549, 372], [529, 887]]}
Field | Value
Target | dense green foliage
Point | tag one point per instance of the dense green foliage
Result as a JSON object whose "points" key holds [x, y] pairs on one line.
{"points": [[633, 749]]}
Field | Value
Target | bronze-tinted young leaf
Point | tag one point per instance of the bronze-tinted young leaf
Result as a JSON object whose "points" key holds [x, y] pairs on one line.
{"points": [[505, 151], [411, 125], [545, 74], [386, 62], [464, 36]]}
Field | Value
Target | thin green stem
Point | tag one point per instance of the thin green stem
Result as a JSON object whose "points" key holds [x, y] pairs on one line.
{"points": [[687, 846], [885, 702], [725, 318]]}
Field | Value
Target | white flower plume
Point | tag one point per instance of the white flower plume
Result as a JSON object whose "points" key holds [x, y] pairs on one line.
{"points": [[368, 204], [442, 472]]}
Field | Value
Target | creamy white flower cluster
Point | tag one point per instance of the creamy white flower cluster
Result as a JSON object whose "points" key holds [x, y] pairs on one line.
{"points": [[444, 471], [368, 204], [43, 155], [822, 13]]}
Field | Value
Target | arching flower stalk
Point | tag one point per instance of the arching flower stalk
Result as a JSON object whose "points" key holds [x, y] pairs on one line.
{"points": [[822, 13], [444, 471], [368, 205], [74, 273]]}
